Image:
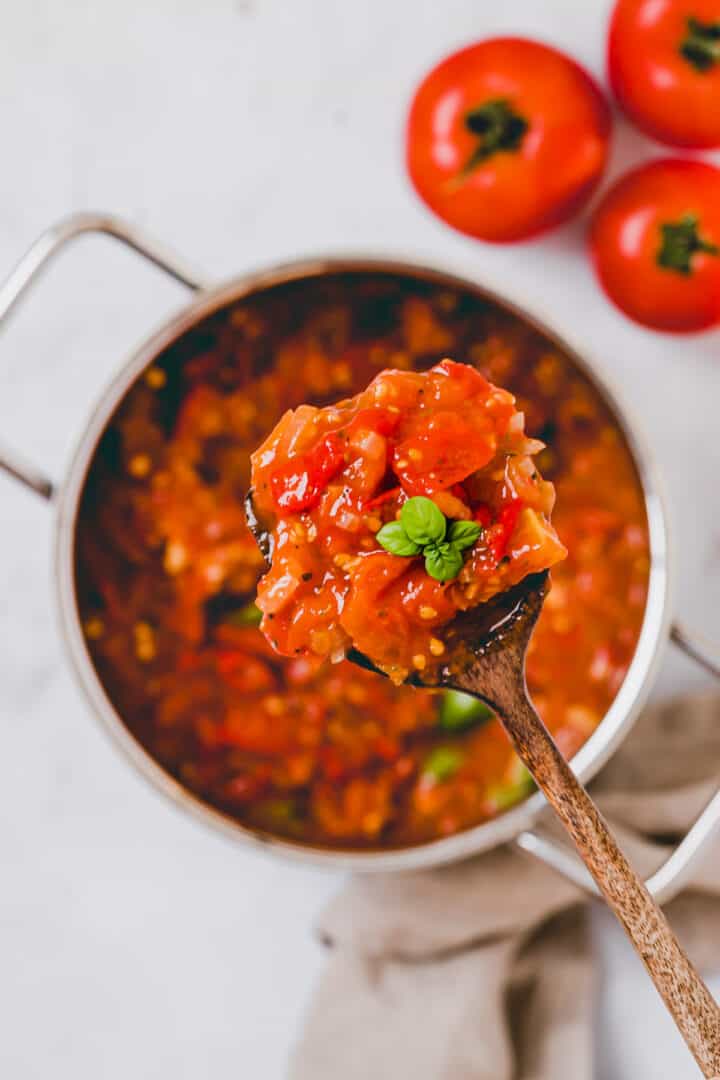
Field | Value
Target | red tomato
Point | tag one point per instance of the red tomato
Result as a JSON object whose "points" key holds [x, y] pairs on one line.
{"points": [[507, 138], [655, 240], [664, 66]]}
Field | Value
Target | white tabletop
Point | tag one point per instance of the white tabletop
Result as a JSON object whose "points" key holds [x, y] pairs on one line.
{"points": [[134, 943]]}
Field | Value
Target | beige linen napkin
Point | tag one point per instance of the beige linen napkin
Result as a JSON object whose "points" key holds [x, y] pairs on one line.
{"points": [[482, 970]]}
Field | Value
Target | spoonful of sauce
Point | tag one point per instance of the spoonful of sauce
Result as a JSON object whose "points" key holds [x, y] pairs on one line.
{"points": [[408, 529]]}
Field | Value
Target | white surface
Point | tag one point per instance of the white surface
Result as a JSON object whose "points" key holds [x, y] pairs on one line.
{"points": [[132, 942]]}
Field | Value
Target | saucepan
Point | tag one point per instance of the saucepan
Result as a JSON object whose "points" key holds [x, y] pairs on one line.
{"points": [[522, 825]]}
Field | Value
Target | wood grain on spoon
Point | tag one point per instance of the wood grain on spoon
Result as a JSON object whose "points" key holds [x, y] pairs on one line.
{"points": [[485, 656], [485, 650]]}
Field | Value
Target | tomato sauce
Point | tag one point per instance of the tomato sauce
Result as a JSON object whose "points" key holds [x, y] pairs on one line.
{"points": [[167, 570], [393, 510]]}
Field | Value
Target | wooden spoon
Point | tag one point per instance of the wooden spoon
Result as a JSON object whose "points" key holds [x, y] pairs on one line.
{"points": [[485, 651]]}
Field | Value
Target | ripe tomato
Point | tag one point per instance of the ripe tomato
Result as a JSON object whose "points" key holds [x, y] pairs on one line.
{"points": [[655, 239], [664, 66], [507, 138]]}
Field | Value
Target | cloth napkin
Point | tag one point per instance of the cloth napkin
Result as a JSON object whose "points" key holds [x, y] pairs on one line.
{"points": [[482, 970]]}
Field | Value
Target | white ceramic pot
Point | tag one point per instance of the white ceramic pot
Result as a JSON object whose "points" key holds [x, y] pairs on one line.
{"points": [[519, 824]]}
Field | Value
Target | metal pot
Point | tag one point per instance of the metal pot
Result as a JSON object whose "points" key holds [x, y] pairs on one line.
{"points": [[519, 825]]}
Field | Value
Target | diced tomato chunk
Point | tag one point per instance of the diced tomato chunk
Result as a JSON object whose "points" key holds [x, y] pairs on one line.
{"points": [[440, 452], [371, 582], [462, 379], [384, 421], [300, 482]]}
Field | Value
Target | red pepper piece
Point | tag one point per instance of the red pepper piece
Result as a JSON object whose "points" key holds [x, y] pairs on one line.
{"points": [[504, 528], [483, 515], [300, 483]]}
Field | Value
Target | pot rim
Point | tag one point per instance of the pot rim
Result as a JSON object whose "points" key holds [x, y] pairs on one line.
{"points": [[593, 754]]}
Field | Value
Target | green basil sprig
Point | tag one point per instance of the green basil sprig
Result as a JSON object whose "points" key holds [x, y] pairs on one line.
{"points": [[424, 530]]}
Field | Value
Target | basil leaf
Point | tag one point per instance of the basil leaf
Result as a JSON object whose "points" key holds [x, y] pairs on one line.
{"points": [[459, 711], [442, 763], [395, 540], [443, 561], [423, 521], [463, 534]]}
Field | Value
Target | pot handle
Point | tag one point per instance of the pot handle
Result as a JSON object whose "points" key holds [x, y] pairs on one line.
{"points": [[37, 258], [677, 869], [667, 881], [697, 647]]}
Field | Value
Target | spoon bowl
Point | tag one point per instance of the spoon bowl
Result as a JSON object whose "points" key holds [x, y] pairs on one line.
{"points": [[485, 645]]}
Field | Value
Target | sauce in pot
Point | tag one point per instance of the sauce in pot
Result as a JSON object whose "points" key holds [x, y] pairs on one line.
{"points": [[166, 569]]}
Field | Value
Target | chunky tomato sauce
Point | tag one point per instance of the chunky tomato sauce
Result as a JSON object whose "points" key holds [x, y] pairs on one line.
{"points": [[167, 571], [392, 511]]}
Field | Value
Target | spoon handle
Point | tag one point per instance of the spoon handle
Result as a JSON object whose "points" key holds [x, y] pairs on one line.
{"points": [[687, 998]]}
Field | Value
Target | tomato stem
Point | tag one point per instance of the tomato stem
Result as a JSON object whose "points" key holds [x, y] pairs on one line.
{"points": [[680, 241], [701, 46], [497, 127]]}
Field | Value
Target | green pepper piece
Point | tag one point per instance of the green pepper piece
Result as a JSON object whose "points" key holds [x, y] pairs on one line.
{"points": [[514, 790], [442, 763], [460, 711]]}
